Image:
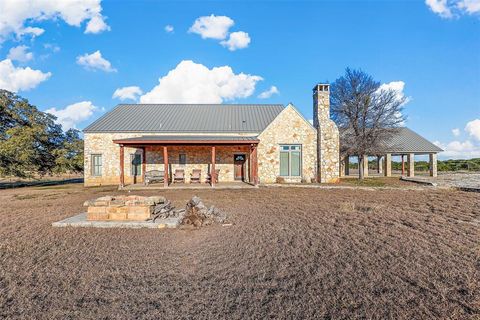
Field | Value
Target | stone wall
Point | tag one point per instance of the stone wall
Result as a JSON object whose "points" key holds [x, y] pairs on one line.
{"points": [[288, 128], [198, 157]]}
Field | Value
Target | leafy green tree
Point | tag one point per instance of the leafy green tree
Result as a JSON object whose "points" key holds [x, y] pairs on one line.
{"points": [[30, 140], [69, 157]]}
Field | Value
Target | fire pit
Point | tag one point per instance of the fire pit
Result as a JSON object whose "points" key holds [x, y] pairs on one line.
{"points": [[118, 208]]}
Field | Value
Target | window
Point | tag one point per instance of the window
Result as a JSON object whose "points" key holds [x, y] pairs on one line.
{"points": [[96, 164], [182, 159], [136, 164], [290, 160]]}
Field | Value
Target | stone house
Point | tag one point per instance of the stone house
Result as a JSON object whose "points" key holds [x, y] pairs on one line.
{"points": [[249, 143]]}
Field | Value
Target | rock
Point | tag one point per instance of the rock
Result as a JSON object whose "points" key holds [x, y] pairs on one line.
{"points": [[157, 199]]}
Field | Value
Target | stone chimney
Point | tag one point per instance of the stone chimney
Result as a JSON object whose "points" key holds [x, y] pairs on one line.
{"points": [[328, 144], [321, 104]]}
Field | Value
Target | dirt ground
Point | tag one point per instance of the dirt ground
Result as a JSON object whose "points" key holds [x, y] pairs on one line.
{"points": [[291, 253]]}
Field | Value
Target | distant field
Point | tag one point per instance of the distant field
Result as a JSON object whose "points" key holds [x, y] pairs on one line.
{"points": [[291, 253]]}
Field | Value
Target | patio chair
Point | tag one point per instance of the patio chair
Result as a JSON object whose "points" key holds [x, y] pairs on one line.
{"points": [[179, 176], [195, 176], [209, 176], [154, 176]]}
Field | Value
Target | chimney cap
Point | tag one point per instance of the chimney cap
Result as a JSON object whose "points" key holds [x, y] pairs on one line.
{"points": [[321, 87]]}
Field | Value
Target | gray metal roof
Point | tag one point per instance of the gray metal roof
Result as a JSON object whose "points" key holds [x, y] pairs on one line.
{"points": [[187, 118], [188, 138], [405, 140]]}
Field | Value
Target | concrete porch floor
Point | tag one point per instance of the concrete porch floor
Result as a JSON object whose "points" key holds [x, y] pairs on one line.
{"points": [[180, 186]]}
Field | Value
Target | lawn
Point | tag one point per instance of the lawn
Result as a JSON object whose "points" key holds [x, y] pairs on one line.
{"points": [[291, 253]]}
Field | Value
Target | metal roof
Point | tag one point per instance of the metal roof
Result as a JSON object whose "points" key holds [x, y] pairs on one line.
{"points": [[405, 140], [188, 139], [187, 118]]}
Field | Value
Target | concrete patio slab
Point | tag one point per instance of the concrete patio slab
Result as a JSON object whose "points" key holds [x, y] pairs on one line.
{"points": [[80, 220]]}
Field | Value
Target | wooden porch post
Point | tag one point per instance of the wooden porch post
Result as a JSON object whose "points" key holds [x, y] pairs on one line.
{"points": [[212, 173], [165, 166], [144, 163], [122, 165], [403, 166], [255, 165]]}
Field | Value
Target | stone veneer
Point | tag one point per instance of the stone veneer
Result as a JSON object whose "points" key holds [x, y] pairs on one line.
{"points": [[289, 127], [328, 136], [198, 157]]}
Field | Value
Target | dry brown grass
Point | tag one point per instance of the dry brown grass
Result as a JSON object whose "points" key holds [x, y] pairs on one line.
{"points": [[291, 253]]}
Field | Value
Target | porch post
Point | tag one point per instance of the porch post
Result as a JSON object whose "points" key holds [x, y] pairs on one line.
{"points": [[255, 165], [122, 165], [403, 166], [165, 166], [144, 163], [212, 173]]}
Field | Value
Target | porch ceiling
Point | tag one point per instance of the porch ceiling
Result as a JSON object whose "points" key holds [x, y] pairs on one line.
{"points": [[187, 139]]}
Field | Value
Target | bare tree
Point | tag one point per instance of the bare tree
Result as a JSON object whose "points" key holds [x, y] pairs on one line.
{"points": [[365, 114]]}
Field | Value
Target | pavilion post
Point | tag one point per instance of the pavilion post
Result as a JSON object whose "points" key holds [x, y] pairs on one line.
{"points": [[122, 166], [165, 167], [347, 166], [379, 164], [212, 173], [411, 164], [365, 166], [433, 164], [388, 165]]}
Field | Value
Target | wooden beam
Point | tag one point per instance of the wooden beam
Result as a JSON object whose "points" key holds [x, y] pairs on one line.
{"points": [[212, 173], [122, 166], [165, 166], [144, 163]]}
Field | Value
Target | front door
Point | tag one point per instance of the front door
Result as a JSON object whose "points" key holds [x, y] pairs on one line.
{"points": [[239, 166]]}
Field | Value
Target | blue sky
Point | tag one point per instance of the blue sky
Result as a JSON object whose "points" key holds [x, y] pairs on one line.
{"points": [[428, 51]]}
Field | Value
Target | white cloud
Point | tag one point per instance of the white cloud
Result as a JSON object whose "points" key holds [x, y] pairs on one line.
{"points": [[470, 6], [463, 149], [95, 61], [268, 93], [398, 87], [453, 8], [73, 114], [125, 93], [15, 14], [192, 82], [473, 129], [456, 132], [236, 40], [20, 53], [53, 47], [97, 24], [213, 27], [169, 28], [440, 7], [20, 79], [459, 150]]}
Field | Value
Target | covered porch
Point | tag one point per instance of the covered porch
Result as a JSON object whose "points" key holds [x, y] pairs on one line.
{"points": [[190, 162]]}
